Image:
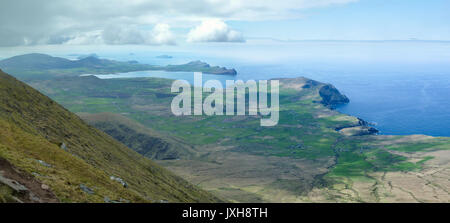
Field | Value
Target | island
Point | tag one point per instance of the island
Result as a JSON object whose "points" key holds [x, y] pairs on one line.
{"points": [[164, 57]]}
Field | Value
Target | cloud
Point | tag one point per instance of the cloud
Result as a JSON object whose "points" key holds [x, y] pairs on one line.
{"points": [[161, 34], [119, 35], [214, 30], [83, 38], [25, 22]]}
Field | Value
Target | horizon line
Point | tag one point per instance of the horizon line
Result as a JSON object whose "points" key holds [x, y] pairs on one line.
{"points": [[345, 40]]}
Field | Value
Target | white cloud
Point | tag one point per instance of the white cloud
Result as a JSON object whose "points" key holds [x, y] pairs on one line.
{"points": [[76, 21], [93, 37], [214, 30], [161, 34], [132, 34]]}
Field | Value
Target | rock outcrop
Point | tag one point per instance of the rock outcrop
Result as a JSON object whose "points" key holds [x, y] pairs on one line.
{"points": [[331, 96], [19, 187], [361, 128]]}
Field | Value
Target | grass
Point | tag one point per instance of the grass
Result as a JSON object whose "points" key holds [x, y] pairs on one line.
{"points": [[33, 127], [6, 195], [425, 159], [426, 146], [351, 165], [66, 173]]}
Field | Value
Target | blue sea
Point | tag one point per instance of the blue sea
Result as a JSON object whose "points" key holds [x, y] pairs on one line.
{"points": [[402, 86]]}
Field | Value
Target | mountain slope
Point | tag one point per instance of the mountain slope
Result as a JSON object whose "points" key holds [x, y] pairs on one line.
{"points": [[74, 160], [141, 139]]}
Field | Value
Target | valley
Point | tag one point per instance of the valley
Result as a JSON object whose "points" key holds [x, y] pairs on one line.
{"points": [[314, 154]]}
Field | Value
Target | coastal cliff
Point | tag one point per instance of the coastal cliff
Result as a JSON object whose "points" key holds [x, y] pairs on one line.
{"points": [[331, 96]]}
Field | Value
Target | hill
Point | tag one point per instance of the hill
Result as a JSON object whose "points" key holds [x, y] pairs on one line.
{"points": [[141, 139], [41, 66], [48, 154], [36, 61], [199, 66]]}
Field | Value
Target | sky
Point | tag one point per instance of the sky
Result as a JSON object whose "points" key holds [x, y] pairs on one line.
{"points": [[176, 22]]}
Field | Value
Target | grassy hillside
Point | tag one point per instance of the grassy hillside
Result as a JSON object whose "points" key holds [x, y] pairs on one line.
{"points": [[141, 139], [42, 139]]}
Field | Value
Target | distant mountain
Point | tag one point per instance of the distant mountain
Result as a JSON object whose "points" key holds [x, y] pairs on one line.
{"points": [[48, 154], [42, 66], [164, 57], [44, 61], [36, 61], [200, 66], [88, 55]]}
